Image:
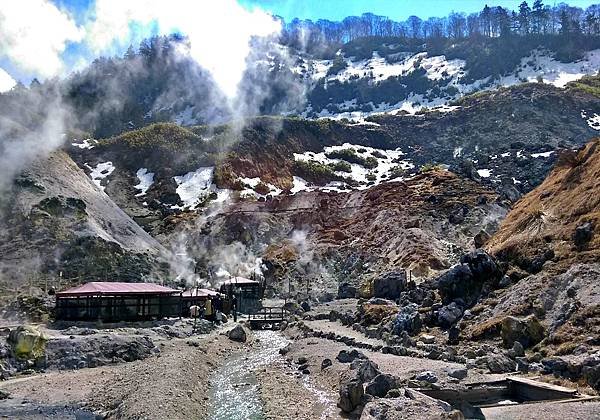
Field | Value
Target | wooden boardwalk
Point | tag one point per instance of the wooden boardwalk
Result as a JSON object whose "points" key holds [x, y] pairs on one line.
{"points": [[268, 318]]}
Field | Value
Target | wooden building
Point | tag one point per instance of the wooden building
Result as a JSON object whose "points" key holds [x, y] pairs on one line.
{"points": [[247, 292], [115, 301]]}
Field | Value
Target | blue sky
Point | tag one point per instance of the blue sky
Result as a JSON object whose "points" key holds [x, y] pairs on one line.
{"points": [[339, 9], [395, 9]]}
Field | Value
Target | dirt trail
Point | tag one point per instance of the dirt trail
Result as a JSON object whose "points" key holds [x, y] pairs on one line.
{"points": [[173, 384]]}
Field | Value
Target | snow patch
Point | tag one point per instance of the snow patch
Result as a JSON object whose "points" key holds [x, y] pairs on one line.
{"points": [[387, 161], [593, 121], [484, 173], [193, 187], [544, 154], [101, 171], [146, 179], [85, 144]]}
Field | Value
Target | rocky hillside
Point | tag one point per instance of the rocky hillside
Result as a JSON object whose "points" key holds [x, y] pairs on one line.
{"points": [[55, 220], [341, 242], [549, 245]]}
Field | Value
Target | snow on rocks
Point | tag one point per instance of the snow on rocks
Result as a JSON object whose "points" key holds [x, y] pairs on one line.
{"points": [[193, 187], [101, 171], [85, 144], [543, 154], [146, 179], [387, 161], [593, 121], [484, 173], [541, 64], [252, 183]]}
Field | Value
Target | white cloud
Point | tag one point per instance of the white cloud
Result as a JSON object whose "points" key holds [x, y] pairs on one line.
{"points": [[34, 33], [219, 31], [6, 81]]}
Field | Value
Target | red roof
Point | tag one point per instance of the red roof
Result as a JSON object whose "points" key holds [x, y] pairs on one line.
{"points": [[240, 280], [200, 293], [116, 288]]}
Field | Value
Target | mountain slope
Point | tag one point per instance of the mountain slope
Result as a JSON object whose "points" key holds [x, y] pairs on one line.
{"points": [[56, 220], [550, 247]]}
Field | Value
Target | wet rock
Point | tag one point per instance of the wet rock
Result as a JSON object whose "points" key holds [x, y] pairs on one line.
{"points": [[527, 331], [326, 363], [448, 315], [381, 384], [237, 333], [350, 392], [305, 306], [390, 285], [346, 356], [408, 320], [427, 376], [459, 373], [499, 363]]}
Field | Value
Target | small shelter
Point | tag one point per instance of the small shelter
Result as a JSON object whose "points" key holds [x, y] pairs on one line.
{"points": [[247, 292], [117, 301]]}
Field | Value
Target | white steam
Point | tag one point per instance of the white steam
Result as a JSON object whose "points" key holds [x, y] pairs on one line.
{"points": [[219, 31], [17, 150], [34, 34], [6, 81]]}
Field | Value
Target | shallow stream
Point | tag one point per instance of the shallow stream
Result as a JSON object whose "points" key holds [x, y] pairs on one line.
{"points": [[234, 391]]}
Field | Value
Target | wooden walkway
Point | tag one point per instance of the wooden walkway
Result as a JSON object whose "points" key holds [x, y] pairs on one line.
{"points": [[268, 318]]}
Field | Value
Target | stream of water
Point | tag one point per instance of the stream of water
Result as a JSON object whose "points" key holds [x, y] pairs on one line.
{"points": [[234, 389], [235, 394]]}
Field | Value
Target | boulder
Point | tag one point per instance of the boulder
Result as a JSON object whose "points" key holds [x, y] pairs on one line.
{"points": [[527, 331], [408, 320], [27, 342], [346, 356], [351, 392], [326, 363], [458, 373], [381, 384], [482, 265], [237, 333], [448, 315], [591, 370], [390, 285], [499, 363], [466, 280], [305, 306], [427, 376], [366, 369], [409, 405], [583, 234]]}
